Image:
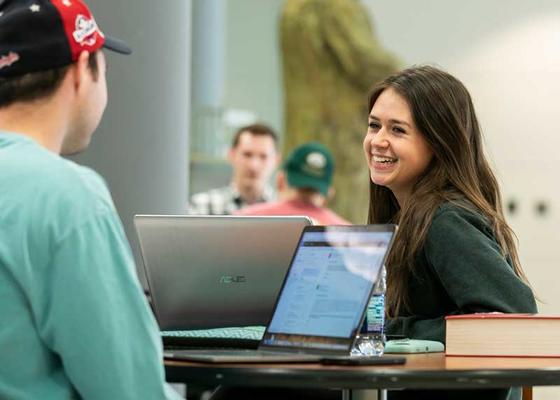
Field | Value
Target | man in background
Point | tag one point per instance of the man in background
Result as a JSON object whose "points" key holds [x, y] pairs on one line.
{"points": [[75, 323], [253, 157], [304, 187]]}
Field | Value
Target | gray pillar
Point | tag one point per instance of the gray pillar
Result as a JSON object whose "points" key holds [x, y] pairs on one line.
{"points": [[208, 76], [208, 49], [141, 146]]}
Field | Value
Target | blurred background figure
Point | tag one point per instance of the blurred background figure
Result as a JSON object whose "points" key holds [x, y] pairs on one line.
{"points": [[330, 59], [304, 187], [253, 157]]}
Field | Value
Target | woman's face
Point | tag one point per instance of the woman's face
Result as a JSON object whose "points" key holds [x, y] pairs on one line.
{"points": [[396, 152]]}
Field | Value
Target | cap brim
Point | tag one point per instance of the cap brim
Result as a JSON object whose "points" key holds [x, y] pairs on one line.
{"points": [[116, 45]]}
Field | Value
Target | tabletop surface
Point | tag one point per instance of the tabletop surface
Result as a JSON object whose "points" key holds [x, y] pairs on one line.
{"points": [[431, 370]]}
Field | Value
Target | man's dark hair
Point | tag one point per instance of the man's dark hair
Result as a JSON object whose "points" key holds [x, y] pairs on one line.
{"points": [[38, 85], [256, 130]]}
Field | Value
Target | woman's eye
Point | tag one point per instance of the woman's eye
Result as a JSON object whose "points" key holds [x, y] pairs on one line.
{"points": [[373, 125], [398, 129]]}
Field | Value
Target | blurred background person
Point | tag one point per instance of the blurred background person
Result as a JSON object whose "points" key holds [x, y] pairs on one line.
{"points": [[304, 187], [253, 157]]}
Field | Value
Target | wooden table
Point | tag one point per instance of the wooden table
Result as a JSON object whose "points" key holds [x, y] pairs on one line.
{"points": [[421, 371]]}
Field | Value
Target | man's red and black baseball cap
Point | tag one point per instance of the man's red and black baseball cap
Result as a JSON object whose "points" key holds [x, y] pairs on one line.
{"points": [[37, 35]]}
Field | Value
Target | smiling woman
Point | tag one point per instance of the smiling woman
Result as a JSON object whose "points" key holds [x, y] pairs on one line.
{"points": [[454, 252], [396, 152]]}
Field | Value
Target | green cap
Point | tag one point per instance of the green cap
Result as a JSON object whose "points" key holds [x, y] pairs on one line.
{"points": [[310, 165]]}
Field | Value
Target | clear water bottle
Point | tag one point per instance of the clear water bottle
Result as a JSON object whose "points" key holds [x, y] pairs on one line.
{"points": [[371, 339]]}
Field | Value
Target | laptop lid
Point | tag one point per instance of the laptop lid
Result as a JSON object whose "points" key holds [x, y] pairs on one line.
{"points": [[215, 271], [324, 296]]}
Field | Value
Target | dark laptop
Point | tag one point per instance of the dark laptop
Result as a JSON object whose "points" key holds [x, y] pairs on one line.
{"points": [[215, 271], [322, 301]]}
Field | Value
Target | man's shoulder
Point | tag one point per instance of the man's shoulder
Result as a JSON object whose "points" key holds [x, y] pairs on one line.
{"points": [[42, 180], [265, 208], [46, 197], [72, 182], [26, 161]]}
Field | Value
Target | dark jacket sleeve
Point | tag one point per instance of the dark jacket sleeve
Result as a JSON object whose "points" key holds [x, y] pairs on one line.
{"points": [[463, 255]]}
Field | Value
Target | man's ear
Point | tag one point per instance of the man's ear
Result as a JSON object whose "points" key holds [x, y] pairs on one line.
{"points": [[80, 70], [281, 183]]}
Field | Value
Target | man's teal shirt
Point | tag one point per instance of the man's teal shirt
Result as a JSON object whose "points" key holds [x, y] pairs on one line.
{"points": [[73, 319]]}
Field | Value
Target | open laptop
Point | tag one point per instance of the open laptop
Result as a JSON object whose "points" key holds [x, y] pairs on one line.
{"points": [[215, 271], [323, 299]]}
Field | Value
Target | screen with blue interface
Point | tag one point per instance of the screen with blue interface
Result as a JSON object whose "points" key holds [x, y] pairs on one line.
{"points": [[328, 285]]}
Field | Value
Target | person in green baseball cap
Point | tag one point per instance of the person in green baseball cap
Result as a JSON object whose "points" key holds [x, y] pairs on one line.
{"points": [[304, 187]]}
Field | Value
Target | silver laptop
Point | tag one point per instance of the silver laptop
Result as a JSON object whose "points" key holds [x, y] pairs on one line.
{"points": [[323, 299], [215, 271]]}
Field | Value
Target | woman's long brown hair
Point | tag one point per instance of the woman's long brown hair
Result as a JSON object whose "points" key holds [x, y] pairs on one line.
{"points": [[443, 112]]}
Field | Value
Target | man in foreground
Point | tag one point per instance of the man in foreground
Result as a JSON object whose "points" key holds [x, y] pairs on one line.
{"points": [[75, 323]]}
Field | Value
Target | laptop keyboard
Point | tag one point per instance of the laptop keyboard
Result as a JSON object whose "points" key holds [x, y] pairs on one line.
{"points": [[248, 332]]}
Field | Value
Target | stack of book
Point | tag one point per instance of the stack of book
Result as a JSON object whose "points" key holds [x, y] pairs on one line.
{"points": [[503, 335]]}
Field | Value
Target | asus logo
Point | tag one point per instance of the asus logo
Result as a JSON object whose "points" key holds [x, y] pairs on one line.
{"points": [[233, 279]]}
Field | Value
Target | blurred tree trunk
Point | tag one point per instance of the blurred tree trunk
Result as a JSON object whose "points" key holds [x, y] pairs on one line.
{"points": [[330, 61]]}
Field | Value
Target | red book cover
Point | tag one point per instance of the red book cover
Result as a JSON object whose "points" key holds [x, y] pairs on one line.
{"points": [[501, 316]]}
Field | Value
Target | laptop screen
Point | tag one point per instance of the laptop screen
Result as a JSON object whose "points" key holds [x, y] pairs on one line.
{"points": [[328, 286]]}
